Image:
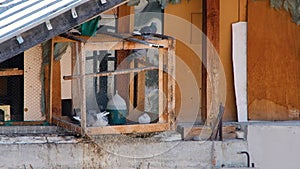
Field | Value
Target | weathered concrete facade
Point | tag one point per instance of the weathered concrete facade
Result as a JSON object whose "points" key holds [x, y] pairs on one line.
{"points": [[117, 152]]}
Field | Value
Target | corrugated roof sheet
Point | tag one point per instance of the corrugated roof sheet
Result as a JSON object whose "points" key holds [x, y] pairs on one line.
{"points": [[18, 16]]}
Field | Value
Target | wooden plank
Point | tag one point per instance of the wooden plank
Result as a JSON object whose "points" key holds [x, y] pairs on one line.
{"points": [[124, 12], [217, 123], [131, 88], [51, 82], [61, 23], [56, 89], [161, 94], [124, 45], [66, 123], [12, 73], [57, 39], [171, 66], [204, 63], [112, 73], [123, 26], [82, 88], [273, 64], [139, 128], [141, 84], [210, 61], [22, 123], [188, 132]]}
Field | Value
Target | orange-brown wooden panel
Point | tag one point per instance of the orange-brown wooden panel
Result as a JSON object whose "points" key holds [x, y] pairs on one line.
{"points": [[273, 63]]}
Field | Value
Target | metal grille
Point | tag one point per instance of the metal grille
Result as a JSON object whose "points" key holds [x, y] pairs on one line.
{"points": [[32, 84]]}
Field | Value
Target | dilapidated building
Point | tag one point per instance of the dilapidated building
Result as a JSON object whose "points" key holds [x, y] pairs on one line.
{"points": [[203, 83]]}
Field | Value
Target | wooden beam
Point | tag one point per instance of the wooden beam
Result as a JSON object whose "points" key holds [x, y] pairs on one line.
{"points": [[161, 94], [141, 84], [111, 73], [211, 28], [124, 45], [61, 23], [82, 88], [67, 124], [22, 123], [171, 67], [138, 128], [12, 73], [56, 89], [188, 132], [51, 60], [123, 26]]}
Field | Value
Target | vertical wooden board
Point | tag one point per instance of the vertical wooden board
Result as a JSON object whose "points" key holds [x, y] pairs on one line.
{"points": [[212, 47], [161, 86], [56, 89], [123, 81], [50, 82], [273, 63], [82, 88], [141, 84], [32, 84]]}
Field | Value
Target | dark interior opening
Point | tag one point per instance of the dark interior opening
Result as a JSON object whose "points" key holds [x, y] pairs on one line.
{"points": [[12, 87]]}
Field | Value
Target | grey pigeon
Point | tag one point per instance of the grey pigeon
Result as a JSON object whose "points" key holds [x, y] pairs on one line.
{"points": [[146, 30]]}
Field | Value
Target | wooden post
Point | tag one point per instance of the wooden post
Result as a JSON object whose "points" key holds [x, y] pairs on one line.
{"points": [[82, 88], [56, 88], [51, 82], [211, 13], [161, 86], [122, 81], [171, 85]]}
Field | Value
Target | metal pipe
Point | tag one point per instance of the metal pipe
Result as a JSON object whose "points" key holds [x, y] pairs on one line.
{"points": [[248, 157]]}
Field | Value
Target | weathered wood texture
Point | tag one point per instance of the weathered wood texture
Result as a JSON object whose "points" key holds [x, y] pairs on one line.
{"points": [[61, 24], [273, 64], [139, 128], [213, 72], [189, 131], [11, 73], [123, 81], [56, 89]]}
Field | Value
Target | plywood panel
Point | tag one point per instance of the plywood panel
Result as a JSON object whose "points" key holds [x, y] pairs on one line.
{"points": [[229, 14], [273, 64], [32, 84], [188, 54]]}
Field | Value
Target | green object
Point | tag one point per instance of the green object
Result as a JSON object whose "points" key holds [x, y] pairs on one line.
{"points": [[117, 117], [90, 27], [117, 109]]}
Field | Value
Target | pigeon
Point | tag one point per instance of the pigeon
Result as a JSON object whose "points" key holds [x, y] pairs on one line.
{"points": [[146, 30]]}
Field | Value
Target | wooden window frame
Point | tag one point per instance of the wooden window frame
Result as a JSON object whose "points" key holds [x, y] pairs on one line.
{"points": [[166, 119]]}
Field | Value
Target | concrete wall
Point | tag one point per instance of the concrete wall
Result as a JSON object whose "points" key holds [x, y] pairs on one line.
{"points": [[275, 145], [117, 152]]}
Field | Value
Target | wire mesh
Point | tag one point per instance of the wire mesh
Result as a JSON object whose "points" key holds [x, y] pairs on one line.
{"points": [[32, 84]]}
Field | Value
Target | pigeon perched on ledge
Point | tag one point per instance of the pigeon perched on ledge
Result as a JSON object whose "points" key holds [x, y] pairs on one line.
{"points": [[146, 30]]}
